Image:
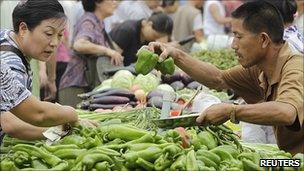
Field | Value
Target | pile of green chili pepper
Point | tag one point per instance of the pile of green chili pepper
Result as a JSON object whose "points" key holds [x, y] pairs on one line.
{"points": [[123, 147]]}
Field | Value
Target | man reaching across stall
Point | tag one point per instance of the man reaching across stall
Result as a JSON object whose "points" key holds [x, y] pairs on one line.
{"points": [[270, 77]]}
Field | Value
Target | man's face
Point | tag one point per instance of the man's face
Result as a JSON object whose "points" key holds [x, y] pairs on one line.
{"points": [[246, 45]]}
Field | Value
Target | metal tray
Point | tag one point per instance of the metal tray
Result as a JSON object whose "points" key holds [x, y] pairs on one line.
{"points": [[172, 122]]}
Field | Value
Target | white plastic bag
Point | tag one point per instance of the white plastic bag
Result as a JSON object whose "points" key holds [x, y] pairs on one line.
{"points": [[202, 101]]}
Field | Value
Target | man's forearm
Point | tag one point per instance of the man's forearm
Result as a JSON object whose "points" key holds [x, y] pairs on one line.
{"points": [[267, 113], [202, 72]]}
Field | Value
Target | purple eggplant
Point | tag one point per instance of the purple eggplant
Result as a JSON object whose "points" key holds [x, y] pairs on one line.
{"points": [[111, 100], [87, 95], [103, 106], [168, 79], [186, 79], [116, 92], [193, 85], [177, 85], [84, 105], [155, 93], [155, 101]]}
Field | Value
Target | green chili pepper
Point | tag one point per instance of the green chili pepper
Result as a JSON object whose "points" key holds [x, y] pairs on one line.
{"points": [[172, 150], [102, 166], [38, 164], [123, 132], [200, 165], [68, 153], [254, 157], [207, 161], [150, 154], [231, 149], [162, 162], [224, 155], [61, 166], [21, 158], [73, 139], [50, 159], [215, 158], [179, 163], [7, 165], [146, 61], [145, 164], [90, 159], [60, 147], [191, 163], [249, 165], [207, 139], [106, 151]]}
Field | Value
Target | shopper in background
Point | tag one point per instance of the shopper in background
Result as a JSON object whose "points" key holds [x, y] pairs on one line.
{"points": [[90, 41], [214, 18], [188, 21], [132, 34], [132, 10], [269, 79], [38, 28], [299, 21]]}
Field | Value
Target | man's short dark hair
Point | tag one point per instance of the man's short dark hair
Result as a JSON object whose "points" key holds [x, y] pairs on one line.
{"points": [[33, 12], [287, 9], [261, 16]]}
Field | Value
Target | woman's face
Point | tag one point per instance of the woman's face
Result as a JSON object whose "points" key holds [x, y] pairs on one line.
{"points": [[149, 34], [107, 7], [41, 42]]}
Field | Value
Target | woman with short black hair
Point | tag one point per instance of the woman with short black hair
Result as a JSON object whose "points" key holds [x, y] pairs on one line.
{"points": [[38, 28]]}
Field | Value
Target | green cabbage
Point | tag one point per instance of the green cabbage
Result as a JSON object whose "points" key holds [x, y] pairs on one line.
{"points": [[146, 82], [122, 79], [165, 87]]}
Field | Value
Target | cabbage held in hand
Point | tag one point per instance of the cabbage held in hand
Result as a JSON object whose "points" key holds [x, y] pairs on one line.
{"points": [[122, 79]]}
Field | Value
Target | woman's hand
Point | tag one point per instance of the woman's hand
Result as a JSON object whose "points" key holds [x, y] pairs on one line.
{"points": [[87, 123], [116, 58], [50, 91]]}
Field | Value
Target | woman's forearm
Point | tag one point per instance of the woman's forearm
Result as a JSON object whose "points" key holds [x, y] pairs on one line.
{"points": [[44, 114], [17, 128], [86, 47]]}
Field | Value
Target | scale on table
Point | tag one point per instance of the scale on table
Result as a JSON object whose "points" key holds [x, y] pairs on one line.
{"points": [[166, 121]]}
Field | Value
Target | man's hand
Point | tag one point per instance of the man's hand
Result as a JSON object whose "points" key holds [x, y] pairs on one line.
{"points": [[164, 49], [216, 114]]}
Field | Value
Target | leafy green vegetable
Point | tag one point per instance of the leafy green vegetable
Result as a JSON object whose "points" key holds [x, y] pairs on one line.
{"points": [[122, 79], [223, 58], [146, 82]]}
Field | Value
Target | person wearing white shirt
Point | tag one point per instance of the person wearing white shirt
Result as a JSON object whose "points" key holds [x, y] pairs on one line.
{"points": [[132, 10], [214, 19]]}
